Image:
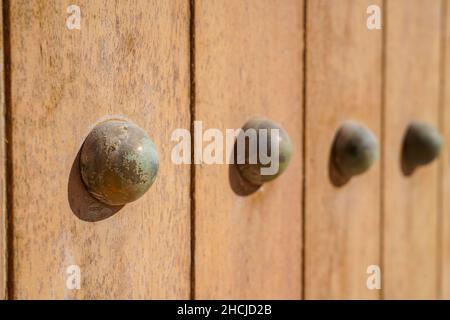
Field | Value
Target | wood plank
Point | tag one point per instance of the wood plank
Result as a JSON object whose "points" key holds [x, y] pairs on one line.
{"points": [[3, 178], [130, 58], [445, 157], [343, 83], [410, 202], [248, 62]]}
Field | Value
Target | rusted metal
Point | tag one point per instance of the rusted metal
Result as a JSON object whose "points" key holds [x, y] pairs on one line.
{"points": [[118, 162]]}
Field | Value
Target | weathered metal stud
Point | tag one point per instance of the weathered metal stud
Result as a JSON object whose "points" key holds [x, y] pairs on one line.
{"points": [[268, 150], [118, 162], [421, 145], [355, 149]]}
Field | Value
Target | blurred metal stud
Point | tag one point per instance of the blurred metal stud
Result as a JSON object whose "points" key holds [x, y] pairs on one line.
{"points": [[355, 149], [258, 172], [421, 145]]}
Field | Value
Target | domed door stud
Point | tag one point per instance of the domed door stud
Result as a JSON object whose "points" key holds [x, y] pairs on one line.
{"points": [[268, 135], [354, 151], [421, 145], [118, 162]]}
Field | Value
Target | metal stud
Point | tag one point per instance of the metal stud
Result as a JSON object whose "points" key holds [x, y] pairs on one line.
{"points": [[259, 171], [355, 149], [118, 162], [421, 145]]}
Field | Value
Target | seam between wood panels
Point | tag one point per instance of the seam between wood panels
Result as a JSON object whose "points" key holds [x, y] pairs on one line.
{"points": [[9, 151], [192, 119], [303, 206], [382, 144], [441, 113], [3, 186]]}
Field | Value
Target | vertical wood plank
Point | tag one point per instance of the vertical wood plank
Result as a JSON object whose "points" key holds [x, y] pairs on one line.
{"points": [[249, 62], [410, 202], [342, 224], [130, 58], [3, 179], [445, 158]]}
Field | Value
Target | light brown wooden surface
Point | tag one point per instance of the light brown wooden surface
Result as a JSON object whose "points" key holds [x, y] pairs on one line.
{"points": [[413, 37], [3, 197], [129, 58], [343, 82], [444, 224], [249, 62]]}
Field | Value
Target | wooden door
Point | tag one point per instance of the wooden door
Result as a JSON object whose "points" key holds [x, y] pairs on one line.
{"points": [[248, 62], [129, 59], [410, 203], [309, 65], [342, 224]]}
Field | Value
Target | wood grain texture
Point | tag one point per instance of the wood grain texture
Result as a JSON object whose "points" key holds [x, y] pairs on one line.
{"points": [[445, 158], [342, 224], [410, 202], [3, 179], [249, 62], [129, 58]]}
